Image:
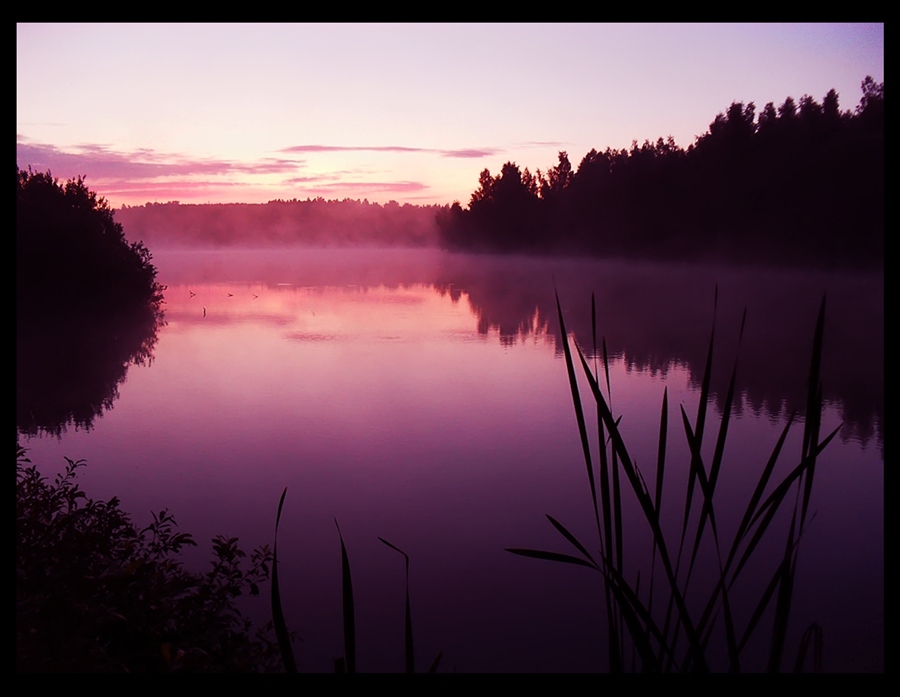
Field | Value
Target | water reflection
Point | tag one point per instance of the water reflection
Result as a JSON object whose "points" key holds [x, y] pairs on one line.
{"points": [[415, 397], [68, 371], [652, 316]]}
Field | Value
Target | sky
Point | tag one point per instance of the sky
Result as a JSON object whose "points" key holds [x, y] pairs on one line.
{"points": [[219, 113]]}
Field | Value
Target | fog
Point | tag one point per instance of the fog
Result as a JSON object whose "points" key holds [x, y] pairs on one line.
{"points": [[313, 222]]}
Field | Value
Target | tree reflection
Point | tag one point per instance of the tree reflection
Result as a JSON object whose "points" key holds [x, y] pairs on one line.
{"points": [[653, 315], [68, 370]]}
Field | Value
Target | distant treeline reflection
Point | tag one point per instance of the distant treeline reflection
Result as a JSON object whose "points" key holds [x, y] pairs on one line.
{"points": [[803, 182], [649, 313]]}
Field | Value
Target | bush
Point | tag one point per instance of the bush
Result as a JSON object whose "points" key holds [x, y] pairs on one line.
{"points": [[96, 594]]}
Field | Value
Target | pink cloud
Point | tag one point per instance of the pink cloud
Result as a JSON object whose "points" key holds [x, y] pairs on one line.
{"points": [[101, 162], [350, 148], [141, 175], [471, 152], [460, 152], [364, 187]]}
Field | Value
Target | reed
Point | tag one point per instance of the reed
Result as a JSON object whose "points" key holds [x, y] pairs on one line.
{"points": [[656, 624], [347, 662], [281, 631]]}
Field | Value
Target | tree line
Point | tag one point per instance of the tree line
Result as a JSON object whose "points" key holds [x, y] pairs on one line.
{"points": [[801, 182]]}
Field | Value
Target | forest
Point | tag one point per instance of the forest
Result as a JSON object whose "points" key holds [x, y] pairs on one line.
{"points": [[799, 183]]}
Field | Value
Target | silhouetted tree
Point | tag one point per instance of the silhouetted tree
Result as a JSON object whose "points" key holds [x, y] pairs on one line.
{"points": [[873, 95], [72, 255], [558, 178], [788, 109]]}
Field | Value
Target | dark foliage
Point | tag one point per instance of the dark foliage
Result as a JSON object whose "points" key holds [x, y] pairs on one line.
{"points": [[68, 370], [87, 304], [96, 594], [72, 255], [803, 182]]}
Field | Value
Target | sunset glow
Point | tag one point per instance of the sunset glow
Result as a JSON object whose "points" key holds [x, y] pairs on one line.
{"points": [[249, 113]]}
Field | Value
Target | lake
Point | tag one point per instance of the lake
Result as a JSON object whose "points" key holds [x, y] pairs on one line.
{"points": [[422, 397]]}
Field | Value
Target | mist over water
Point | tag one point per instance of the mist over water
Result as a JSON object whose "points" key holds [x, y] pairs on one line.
{"points": [[421, 396]]}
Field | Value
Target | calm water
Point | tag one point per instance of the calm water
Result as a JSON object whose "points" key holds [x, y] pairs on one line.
{"points": [[422, 397]]}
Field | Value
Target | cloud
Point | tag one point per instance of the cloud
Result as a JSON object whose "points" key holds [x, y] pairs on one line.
{"points": [[458, 152], [471, 152], [365, 187], [141, 191], [102, 162], [350, 148], [145, 174], [313, 179]]}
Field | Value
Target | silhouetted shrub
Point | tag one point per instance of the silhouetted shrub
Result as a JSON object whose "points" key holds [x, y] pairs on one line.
{"points": [[96, 594]]}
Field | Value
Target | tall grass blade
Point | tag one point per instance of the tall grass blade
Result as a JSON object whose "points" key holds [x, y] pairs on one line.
{"points": [[761, 606], [707, 372], [436, 662], [716, 464], [743, 528], [552, 556], [810, 452], [579, 411], [810, 437], [410, 654], [349, 615], [781, 490], [701, 421], [571, 538], [617, 510], [697, 473], [641, 625], [594, 332], [813, 405], [813, 635], [661, 451], [281, 632], [760, 488], [768, 509], [606, 370], [660, 469], [706, 513], [783, 601], [606, 534], [734, 664]]}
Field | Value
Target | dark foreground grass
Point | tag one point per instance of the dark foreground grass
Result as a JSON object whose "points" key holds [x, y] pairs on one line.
{"points": [[655, 629]]}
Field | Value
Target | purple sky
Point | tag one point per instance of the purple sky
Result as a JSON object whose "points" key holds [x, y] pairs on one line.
{"points": [[249, 113]]}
